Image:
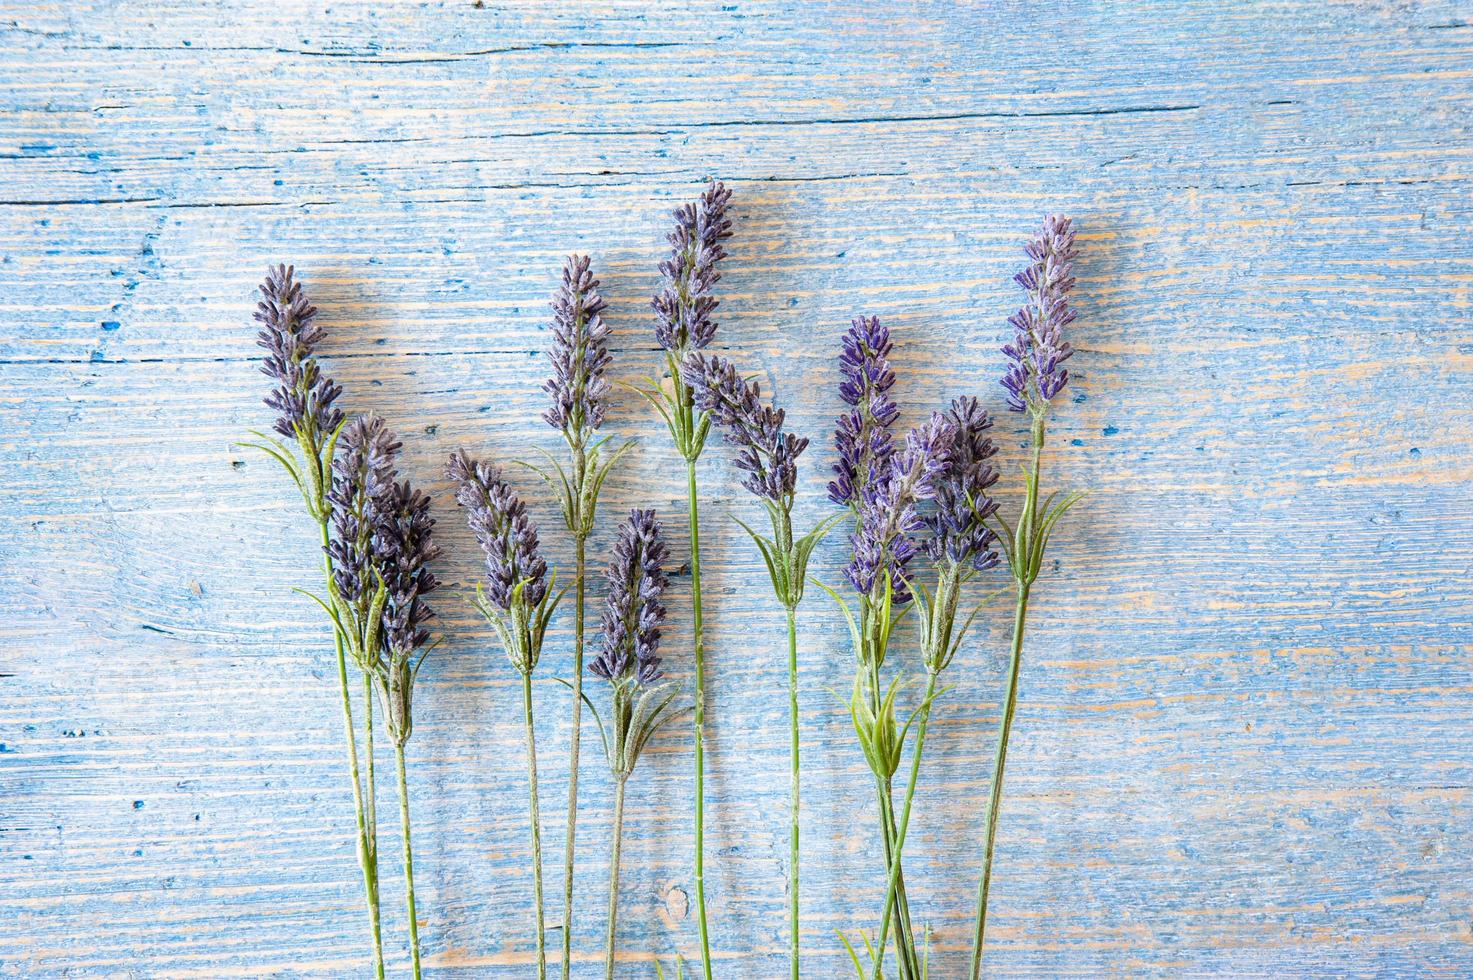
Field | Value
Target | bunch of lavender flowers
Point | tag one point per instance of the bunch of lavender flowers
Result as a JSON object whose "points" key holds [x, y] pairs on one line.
{"points": [[683, 323], [518, 601], [304, 400], [380, 550], [959, 544], [579, 394], [629, 660], [1034, 376], [769, 458]]}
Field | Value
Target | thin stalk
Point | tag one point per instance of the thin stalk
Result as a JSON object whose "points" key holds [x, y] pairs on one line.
{"points": [[910, 792], [614, 874], [536, 821], [367, 859], [883, 794], [793, 752], [408, 859], [370, 806], [1010, 703], [568, 845], [700, 712]]}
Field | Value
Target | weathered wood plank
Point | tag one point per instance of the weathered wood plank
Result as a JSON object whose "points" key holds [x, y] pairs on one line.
{"points": [[1243, 743]]}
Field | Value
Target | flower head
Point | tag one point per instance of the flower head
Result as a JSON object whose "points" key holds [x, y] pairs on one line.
{"points": [[303, 398], [887, 517], [504, 531], [632, 610], [767, 454], [862, 434], [579, 354], [362, 498], [684, 305], [959, 534], [404, 548], [1038, 351]]}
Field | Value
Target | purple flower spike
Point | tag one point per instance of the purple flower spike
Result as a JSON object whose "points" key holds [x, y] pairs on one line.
{"points": [[403, 540], [507, 536], [632, 610], [303, 398], [862, 434], [362, 498], [1038, 351], [768, 455], [888, 516], [684, 304], [958, 532], [580, 352]]}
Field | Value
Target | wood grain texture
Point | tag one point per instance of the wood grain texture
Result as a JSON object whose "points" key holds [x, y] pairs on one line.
{"points": [[1243, 744]]}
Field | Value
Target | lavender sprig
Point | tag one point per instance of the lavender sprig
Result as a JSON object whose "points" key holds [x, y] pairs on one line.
{"points": [[629, 660], [1038, 351], [518, 601], [304, 399], [685, 302], [579, 354], [1034, 375]]}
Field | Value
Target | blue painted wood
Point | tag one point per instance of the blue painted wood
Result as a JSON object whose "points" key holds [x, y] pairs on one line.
{"points": [[1242, 745]]}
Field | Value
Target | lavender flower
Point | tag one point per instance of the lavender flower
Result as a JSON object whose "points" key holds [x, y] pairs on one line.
{"points": [[507, 536], [684, 304], [632, 611], [862, 435], [404, 547], [1038, 350], [362, 498], [303, 397], [579, 353], [887, 517], [766, 454], [959, 534]]}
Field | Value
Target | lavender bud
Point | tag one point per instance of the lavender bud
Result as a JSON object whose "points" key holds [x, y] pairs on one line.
{"points": [[958, 532], [766, 454], [362, 496], [507, 536], [1038, 350], [861, 436], [684, 304], [404, 548], [887, 516], [579, 353], [632, 610], [303, 398]]}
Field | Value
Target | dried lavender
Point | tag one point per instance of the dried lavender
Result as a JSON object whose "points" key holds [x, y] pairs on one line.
{"points": [[769, 458], [1034, 375], [518, 601], [578, 390], [304, 399], [862, 437], [683, 323], [629, 660]]}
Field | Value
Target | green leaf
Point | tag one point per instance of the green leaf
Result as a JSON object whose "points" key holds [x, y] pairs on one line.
{"points": [[767, 547], [602, 734], [848, 614]]}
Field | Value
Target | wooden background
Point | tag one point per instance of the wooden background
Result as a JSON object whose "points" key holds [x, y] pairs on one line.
{"points": [[1243, 745]]}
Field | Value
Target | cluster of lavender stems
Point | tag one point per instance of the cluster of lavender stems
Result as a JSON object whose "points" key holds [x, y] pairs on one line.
{"points": [[923, 519], [377, 544], [683, 323]]}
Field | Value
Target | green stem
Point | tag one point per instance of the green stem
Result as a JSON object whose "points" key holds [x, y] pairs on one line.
{"points": [[367, 857], [568, 845], [370, 806], [408, 858], [700, 654], [904, 936], [793, 752], [536, 821], [1010, 703], [910, 791], [614, 874]]}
